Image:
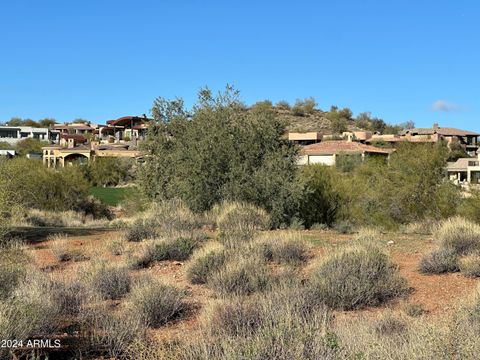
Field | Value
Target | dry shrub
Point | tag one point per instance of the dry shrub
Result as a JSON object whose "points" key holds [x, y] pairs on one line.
{"points": [[178, 249], [118, 246], [426, 227], [344, 227], [459, 235], [456, 237], [40, 218], [30, 310], [389, 324], [356, 277], [319, 226], [415, 310], [13, 261], [172, 216], [140, 231], [153, 350], [270, 325], [109, 281], [59, 246], [284, 248], [239, 222], [113, 333], [204, 262], [70, 296], [451, 336], [61, 250], [241, 275], [470, 265], [438, 262], [156, 303], [367, 236]]}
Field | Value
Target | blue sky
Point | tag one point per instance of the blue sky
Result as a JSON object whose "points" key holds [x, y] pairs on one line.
{"points": [[401, 60]]}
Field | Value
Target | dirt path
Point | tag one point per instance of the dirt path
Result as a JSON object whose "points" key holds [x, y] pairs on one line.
{"points": [[437, 293]]}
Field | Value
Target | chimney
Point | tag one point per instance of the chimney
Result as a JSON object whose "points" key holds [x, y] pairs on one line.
{"points": [[435, 126]]}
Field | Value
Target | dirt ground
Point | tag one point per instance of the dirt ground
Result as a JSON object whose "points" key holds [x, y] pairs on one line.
{"points": [[437, 294]]}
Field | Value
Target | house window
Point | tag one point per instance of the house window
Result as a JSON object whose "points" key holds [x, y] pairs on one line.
{"points": [[8, 134]]}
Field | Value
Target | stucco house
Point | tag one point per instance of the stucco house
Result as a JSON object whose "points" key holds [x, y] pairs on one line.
{"points": [[305, 138], [326, 152], [467, 139], [76, 146], [127, 129], [15, 134], [465, 171]]}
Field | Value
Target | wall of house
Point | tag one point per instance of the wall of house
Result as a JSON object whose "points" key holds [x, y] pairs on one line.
{"points": [[328, 160], [14, 134]]}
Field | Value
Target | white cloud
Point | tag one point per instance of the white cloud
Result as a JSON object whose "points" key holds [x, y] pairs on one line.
{"points": [[445, 106]]}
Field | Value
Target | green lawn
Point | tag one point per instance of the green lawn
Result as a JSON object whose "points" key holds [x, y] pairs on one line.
{"points": [[110, 196]]}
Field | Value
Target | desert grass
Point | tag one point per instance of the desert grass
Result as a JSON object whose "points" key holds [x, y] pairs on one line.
{"points": [[41, 218], [456, 237], [469, 265], [156, 303], [108, 281], [205, 262], [357, 276], [241, 275], [238, 223], [284, 248]]}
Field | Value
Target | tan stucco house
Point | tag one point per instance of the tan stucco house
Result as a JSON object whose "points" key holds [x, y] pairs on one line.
{"points": [[464, 171], [326, 152]]}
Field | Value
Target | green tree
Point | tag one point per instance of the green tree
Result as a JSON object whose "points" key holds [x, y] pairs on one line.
{"points": [[30, 122], [282, 105], [362, 121], [304, 107], [320, 200], [409, 188], [47, 122], [220, 152], [81, 121], [109, 171], [33, 185], [30, 145], [15, 121], [338, 121], [457, 151]]}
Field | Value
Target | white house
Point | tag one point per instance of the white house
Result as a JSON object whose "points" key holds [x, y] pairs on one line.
{"points": [[14, 134]]}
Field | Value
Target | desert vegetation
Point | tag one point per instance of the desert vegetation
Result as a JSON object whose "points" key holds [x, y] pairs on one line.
{"points": [[229, 250]]}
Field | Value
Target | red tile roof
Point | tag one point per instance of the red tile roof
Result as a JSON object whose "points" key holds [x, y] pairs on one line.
{"points": [[441, 131], [127, 120], [77, 137], [342, 146]]}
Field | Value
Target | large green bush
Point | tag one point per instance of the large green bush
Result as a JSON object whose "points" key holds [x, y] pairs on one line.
{"points": [[110, 171], [220, 152], [320, 200], [39, 187], [409, 188]]}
